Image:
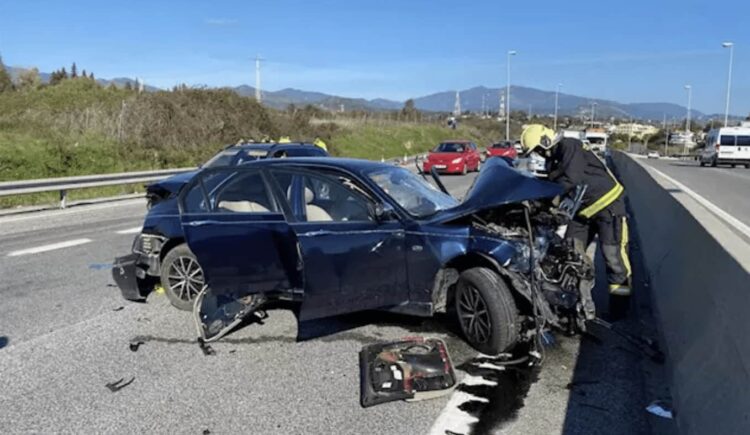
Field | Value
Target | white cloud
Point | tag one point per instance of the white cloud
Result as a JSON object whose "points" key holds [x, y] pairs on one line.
{"points": [[221, 21]]}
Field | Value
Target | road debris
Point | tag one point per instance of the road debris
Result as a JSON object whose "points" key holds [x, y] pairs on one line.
{"points": [[207, 350], [134, 345], [413, 369], [120, 308], [119, 384], [660, 408]]}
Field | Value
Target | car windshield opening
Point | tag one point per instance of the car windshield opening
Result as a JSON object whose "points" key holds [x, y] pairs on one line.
{"points": [[449, 147], [415, 195], [501, 145]]}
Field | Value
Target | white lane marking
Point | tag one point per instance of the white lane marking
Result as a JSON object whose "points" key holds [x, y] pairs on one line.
{"points": [[130, 230], [486, 365], [477, 380], [728, 218], [51, 247], [454, 419]]}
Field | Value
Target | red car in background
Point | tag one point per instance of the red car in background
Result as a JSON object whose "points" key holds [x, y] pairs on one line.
{"points": [[456, 156], [503, 149]]}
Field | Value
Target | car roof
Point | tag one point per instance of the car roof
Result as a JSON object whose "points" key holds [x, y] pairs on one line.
{"points": [[268, 145], [352, 165]]}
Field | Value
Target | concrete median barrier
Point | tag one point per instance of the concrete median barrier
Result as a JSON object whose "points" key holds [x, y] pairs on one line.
{"points": [[699, 273]]}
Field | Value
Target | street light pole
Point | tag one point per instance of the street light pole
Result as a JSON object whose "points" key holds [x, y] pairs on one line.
{"points": [[557, 96], [687, 124], [507, 97], [730, 46]]}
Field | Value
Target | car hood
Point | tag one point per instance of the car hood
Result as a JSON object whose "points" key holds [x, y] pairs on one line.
{"points": [[172, 184], [443, 156], [499, 184]]}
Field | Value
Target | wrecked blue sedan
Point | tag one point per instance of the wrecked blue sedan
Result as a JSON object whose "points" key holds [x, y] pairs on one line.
{"points": [[342, 235]]}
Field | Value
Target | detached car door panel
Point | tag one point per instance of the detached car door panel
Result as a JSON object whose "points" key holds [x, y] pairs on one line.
{"points": [[243, 243]]}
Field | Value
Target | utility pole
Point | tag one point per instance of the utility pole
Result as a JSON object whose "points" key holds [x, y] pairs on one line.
{"points": [[483, 108], [258, 93], [457, 105], [593, 113], [507, 97], [557, 96], [529, 111], [666, 134], [689, 88]]}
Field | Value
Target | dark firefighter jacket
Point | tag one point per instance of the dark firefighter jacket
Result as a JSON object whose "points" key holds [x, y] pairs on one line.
{"points": [[571, 164]]}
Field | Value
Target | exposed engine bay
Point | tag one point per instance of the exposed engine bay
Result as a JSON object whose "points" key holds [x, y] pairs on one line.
{"points": [[556, 278]]}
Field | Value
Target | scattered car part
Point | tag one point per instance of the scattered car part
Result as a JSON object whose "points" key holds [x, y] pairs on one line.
{"points": [[218, 312], [120, 308], [646, 345], [660, 408], [134, 345], [206, 349], [119, 384], [413, 369]]}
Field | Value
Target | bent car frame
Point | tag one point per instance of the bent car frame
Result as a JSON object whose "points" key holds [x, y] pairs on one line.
{"points": [[342, 235]]}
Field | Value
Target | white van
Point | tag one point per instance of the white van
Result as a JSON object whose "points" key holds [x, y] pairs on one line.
{"points": [[727, 146]]}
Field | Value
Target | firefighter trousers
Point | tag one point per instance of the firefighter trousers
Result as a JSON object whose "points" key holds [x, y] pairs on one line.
{"points": [[611, 225]]}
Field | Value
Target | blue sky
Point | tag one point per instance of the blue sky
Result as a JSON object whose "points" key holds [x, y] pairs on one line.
{"points": [[634, 51]]}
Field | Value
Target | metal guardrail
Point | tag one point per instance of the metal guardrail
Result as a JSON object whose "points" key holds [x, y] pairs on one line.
{"points": [[63, 184]]}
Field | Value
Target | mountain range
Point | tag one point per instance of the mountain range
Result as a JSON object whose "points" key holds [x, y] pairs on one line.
{"points": [[475, 99]]}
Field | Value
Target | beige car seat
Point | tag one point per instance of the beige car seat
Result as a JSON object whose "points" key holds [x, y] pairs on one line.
{"points": [[242, 207], [314, 213]]}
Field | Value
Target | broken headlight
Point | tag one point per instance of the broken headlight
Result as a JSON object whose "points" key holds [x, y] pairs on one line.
{"points": [[148, 244]]}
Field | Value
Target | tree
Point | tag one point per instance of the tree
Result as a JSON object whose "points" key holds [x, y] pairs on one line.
{"points": [[409, 111], [91, 76], [29, 79], [83, 74], [128, 86], [73, 71], [6, 84]]}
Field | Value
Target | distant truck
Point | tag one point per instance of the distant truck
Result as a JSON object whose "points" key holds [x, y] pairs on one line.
{"points": [[597, 138]]}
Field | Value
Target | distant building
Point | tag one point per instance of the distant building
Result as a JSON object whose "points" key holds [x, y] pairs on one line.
{"points": [[635, 129]]}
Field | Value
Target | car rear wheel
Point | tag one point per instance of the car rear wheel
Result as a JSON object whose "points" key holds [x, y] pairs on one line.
{"points": [[486, 311], [181, 277], [713, 163], [702, 163]]}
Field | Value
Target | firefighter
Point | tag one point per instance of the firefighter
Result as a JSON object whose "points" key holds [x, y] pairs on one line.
{"points": [[602, 210], [319, 143]]}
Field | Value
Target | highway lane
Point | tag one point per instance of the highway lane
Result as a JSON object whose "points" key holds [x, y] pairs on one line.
{"points": [[68, 336], [728, 188]]}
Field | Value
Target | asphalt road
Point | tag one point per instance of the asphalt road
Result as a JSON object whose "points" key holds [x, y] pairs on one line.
{"points": [[724, 186], [64, 334]]}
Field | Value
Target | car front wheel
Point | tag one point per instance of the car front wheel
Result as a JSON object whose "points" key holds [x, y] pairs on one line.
{"points": [[181, 277], [486, 311]]}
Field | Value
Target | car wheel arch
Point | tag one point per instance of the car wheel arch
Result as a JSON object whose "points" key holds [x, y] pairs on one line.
{"points": [[446, 278], [169, 245]]}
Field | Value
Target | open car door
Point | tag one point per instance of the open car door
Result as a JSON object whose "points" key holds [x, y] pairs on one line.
{"points": [[354, 256], [236, 229]]}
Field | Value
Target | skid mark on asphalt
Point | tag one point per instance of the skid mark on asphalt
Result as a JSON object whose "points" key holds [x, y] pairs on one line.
{"points": [[50, 247], [491, 394]]}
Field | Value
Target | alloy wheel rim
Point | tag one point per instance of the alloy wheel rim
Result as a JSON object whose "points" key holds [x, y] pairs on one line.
{"points": [[474, 316], [185, 278]]}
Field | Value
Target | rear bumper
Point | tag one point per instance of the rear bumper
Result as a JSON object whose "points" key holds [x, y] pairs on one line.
{"points": [[732, 161], [131, 277]]}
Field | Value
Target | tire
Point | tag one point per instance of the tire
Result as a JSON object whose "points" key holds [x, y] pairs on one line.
{"points": [[747, 166], [732, 165], [486, 311], [178, 264], [702, 163], [465, 169], [713, 163]]}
